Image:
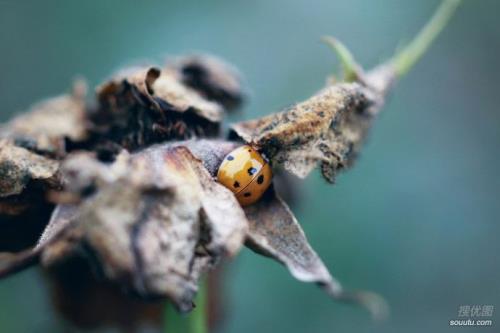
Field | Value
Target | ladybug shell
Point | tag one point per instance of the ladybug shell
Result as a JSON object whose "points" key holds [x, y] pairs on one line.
{"points": [[245, 172]]}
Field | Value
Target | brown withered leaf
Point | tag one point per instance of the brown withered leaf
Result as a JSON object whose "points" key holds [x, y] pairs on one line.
{"points": [[46, 125], [143, 106], [275, 232], [156, 221], [326, 129]]}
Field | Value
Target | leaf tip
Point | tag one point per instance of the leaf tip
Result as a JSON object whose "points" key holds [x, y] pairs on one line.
{"points": [[375, 304], [351, 69]]}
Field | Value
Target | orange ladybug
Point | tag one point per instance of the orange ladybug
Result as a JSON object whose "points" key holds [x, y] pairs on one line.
{"points": [[245, 172]]}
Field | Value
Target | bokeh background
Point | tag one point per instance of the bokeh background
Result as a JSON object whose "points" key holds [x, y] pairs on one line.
{"points": [[416, 220]]}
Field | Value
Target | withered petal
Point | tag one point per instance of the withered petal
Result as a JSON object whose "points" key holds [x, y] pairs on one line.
{"points": [[275, 232], [154, 224], [147, 105], [326, 129]]}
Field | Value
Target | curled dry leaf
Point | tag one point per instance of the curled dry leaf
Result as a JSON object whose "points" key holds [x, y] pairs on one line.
{"points": [[143, 106], [327, 129], [156, 221]]}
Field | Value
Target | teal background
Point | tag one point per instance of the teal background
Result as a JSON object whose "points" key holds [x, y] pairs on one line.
{"points": [[417, 218]]}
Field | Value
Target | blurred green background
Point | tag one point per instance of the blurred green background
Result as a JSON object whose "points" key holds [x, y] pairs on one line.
{"points": [[416, 220]]}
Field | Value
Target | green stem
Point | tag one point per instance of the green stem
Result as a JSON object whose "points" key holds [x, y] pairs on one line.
{"points": [[195, 322], [198, 318], [404, 60]]}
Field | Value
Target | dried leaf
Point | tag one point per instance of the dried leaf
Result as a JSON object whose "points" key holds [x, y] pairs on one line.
{"points": [[156, 221], [143, 106], [274, 232], [131, 115], [327, 129]]}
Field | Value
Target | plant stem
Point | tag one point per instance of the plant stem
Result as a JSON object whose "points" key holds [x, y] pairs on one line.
{"points": [[404, 60], [195, 322], [198, 318]]}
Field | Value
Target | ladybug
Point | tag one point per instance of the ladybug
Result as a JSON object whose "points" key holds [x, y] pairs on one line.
{"points": [[246, 173]]}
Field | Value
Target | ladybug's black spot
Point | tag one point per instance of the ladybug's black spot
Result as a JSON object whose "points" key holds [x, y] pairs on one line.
{"points": [[230, 158], [247, 194], [260, 180], [236, 184], [249, 150], [252, 171]]}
